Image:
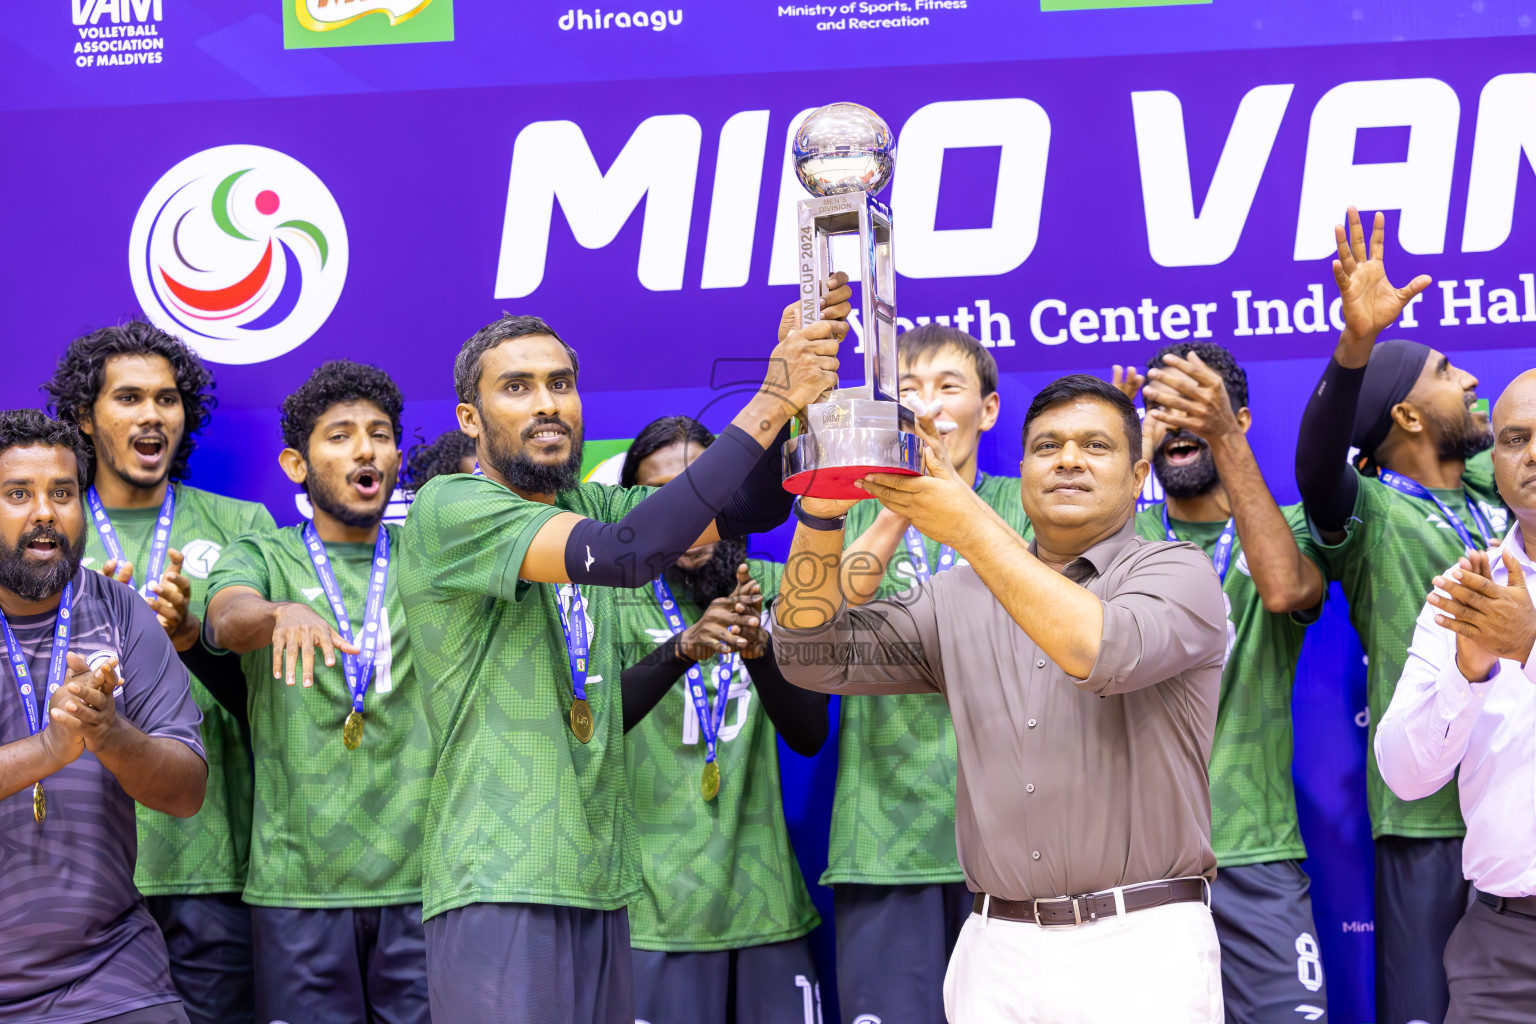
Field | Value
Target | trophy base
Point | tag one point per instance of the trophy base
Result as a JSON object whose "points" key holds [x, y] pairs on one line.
{"points": [[825, 463]]}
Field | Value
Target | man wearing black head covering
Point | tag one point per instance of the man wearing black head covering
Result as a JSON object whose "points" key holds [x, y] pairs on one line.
{"points": [[1423, 496]]}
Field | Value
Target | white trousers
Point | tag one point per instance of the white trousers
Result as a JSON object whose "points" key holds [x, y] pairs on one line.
{"points": [[1157, 966]]}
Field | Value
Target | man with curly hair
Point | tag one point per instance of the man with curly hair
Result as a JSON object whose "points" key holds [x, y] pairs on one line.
{"points": [[96, 717], [452, 452], [140, 397], [344, 760]]}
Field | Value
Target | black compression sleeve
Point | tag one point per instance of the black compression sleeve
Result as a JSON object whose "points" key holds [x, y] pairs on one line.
{"points": [[800, 716], [644, 683], [220, 675], [761, 503], [1324, 476], [657, 531]]}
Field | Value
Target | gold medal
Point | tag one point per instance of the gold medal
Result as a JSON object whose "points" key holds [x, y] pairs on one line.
{"points": [[39, 803], [352, 730], [581, 719], [709, 785]]}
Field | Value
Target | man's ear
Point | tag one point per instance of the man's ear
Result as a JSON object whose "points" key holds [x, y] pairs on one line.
{"points": [[85, 420], [989, 410], [1244, 418], [1407, 418], [1140, 471], [294, 465], [469, 419]]}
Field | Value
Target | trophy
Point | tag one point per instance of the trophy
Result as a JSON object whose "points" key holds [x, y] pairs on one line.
{"points": [[844, 155]]}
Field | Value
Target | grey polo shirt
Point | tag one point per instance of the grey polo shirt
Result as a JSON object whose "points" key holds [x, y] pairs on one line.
{"points": [[1065, 786]]}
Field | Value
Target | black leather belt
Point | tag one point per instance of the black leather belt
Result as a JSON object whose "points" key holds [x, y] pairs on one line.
{"points": [[1523, 905], [1065, 911]]}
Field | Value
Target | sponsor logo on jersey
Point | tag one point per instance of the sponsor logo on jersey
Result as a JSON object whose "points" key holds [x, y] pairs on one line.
{"points": [[198, 557], [241, 251]]}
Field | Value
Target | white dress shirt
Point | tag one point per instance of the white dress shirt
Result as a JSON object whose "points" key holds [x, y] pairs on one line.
{"points": [[1438, 720]]}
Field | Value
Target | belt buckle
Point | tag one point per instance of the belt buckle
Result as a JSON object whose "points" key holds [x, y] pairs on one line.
{"points": [[1077, 913]]}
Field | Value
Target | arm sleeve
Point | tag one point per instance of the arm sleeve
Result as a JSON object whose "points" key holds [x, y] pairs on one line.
{"points": [[1424, 734], [157, 693], [883, 647], [640, 546], [1323, 474], [761, 503], [644, 683], [1167, 617], [221, 675], [800, 716]]}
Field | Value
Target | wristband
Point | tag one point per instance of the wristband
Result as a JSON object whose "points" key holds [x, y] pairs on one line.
{"points": [[817, 522]]}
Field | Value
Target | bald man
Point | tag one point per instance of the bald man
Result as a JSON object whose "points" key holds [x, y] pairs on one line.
{"points": [[1466, 701], [1425, 498]]}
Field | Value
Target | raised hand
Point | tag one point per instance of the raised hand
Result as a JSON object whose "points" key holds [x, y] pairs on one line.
{"points": [[1371, 302], [748, 598], [723, 626], [803, 366], [835, 305], [1129, 380], [83, 708], [170, 597], [1490, 621], [1186, 394], [296, 631]]}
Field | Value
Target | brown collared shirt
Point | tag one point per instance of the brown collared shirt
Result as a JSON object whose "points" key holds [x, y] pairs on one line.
{"points": [[1065, 786]]}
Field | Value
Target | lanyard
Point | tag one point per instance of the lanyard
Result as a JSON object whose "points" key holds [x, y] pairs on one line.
{"points": [[57, 659], [1221, 558], [919, 553], [159, 544], [576, 643], [1414, 489], [359, 667], [711, 719]]}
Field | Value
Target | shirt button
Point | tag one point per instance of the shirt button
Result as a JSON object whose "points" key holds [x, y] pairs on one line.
{"points": [[1040, 663], [1031, 723], [1029, 788], [1035, 855]]}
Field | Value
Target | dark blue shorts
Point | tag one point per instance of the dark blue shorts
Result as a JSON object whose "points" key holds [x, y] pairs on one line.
{"points": [[209, 941], [363, 965], [770, 984], [1421, 896], [893, 946], [526, 963], [1271, 970]]}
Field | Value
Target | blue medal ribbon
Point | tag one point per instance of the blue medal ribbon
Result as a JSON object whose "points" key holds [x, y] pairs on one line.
{"points": [[574, 625], [357, 668], [57, 659], [159, 543], [711, 719], [1414, 489], [1221, 558]]}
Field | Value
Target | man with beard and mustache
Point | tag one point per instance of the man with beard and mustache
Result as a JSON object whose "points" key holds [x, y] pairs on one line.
{"points": [[96, 716], [1425, 497], [719, 932], [511, 583], [343, 761], [140, 397], [1197, 423]]}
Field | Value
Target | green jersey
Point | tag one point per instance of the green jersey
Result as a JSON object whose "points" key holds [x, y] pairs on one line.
{"points": [[207, 852], [332, 827], [1253, 800], [717, 874], [521, 811], [893, 813], [1395, 545]]}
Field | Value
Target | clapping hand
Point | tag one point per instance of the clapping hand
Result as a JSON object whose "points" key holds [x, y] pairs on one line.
{"points": [[1490, 621]]}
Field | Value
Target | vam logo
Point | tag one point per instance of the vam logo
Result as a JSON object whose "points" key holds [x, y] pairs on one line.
{"points": [[240, 251]]}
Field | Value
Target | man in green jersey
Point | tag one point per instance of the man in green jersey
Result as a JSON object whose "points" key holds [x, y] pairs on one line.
{"points": [[1197, 424], [1425, 498], [899, 897], [508, 580], [140, 396], [719, 932], [344, 760]]}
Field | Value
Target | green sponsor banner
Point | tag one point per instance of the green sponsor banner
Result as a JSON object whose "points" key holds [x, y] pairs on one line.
{"points": [[1100, 5], [595, 453], [312, 23]]}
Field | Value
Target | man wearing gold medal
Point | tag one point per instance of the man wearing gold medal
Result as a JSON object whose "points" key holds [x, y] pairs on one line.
{"points": [[96, 715], [510, 582], [720, 930], [343, 754]]}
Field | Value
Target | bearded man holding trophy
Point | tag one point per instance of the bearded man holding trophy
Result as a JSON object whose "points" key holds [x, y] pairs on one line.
{"points": [[1081, 670]]}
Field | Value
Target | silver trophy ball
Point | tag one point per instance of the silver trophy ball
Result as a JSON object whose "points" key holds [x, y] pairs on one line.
{"points": [[844, 147]]}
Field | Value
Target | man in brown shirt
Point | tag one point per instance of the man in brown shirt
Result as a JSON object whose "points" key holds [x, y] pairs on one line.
{"points": [[1082, 674]]}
